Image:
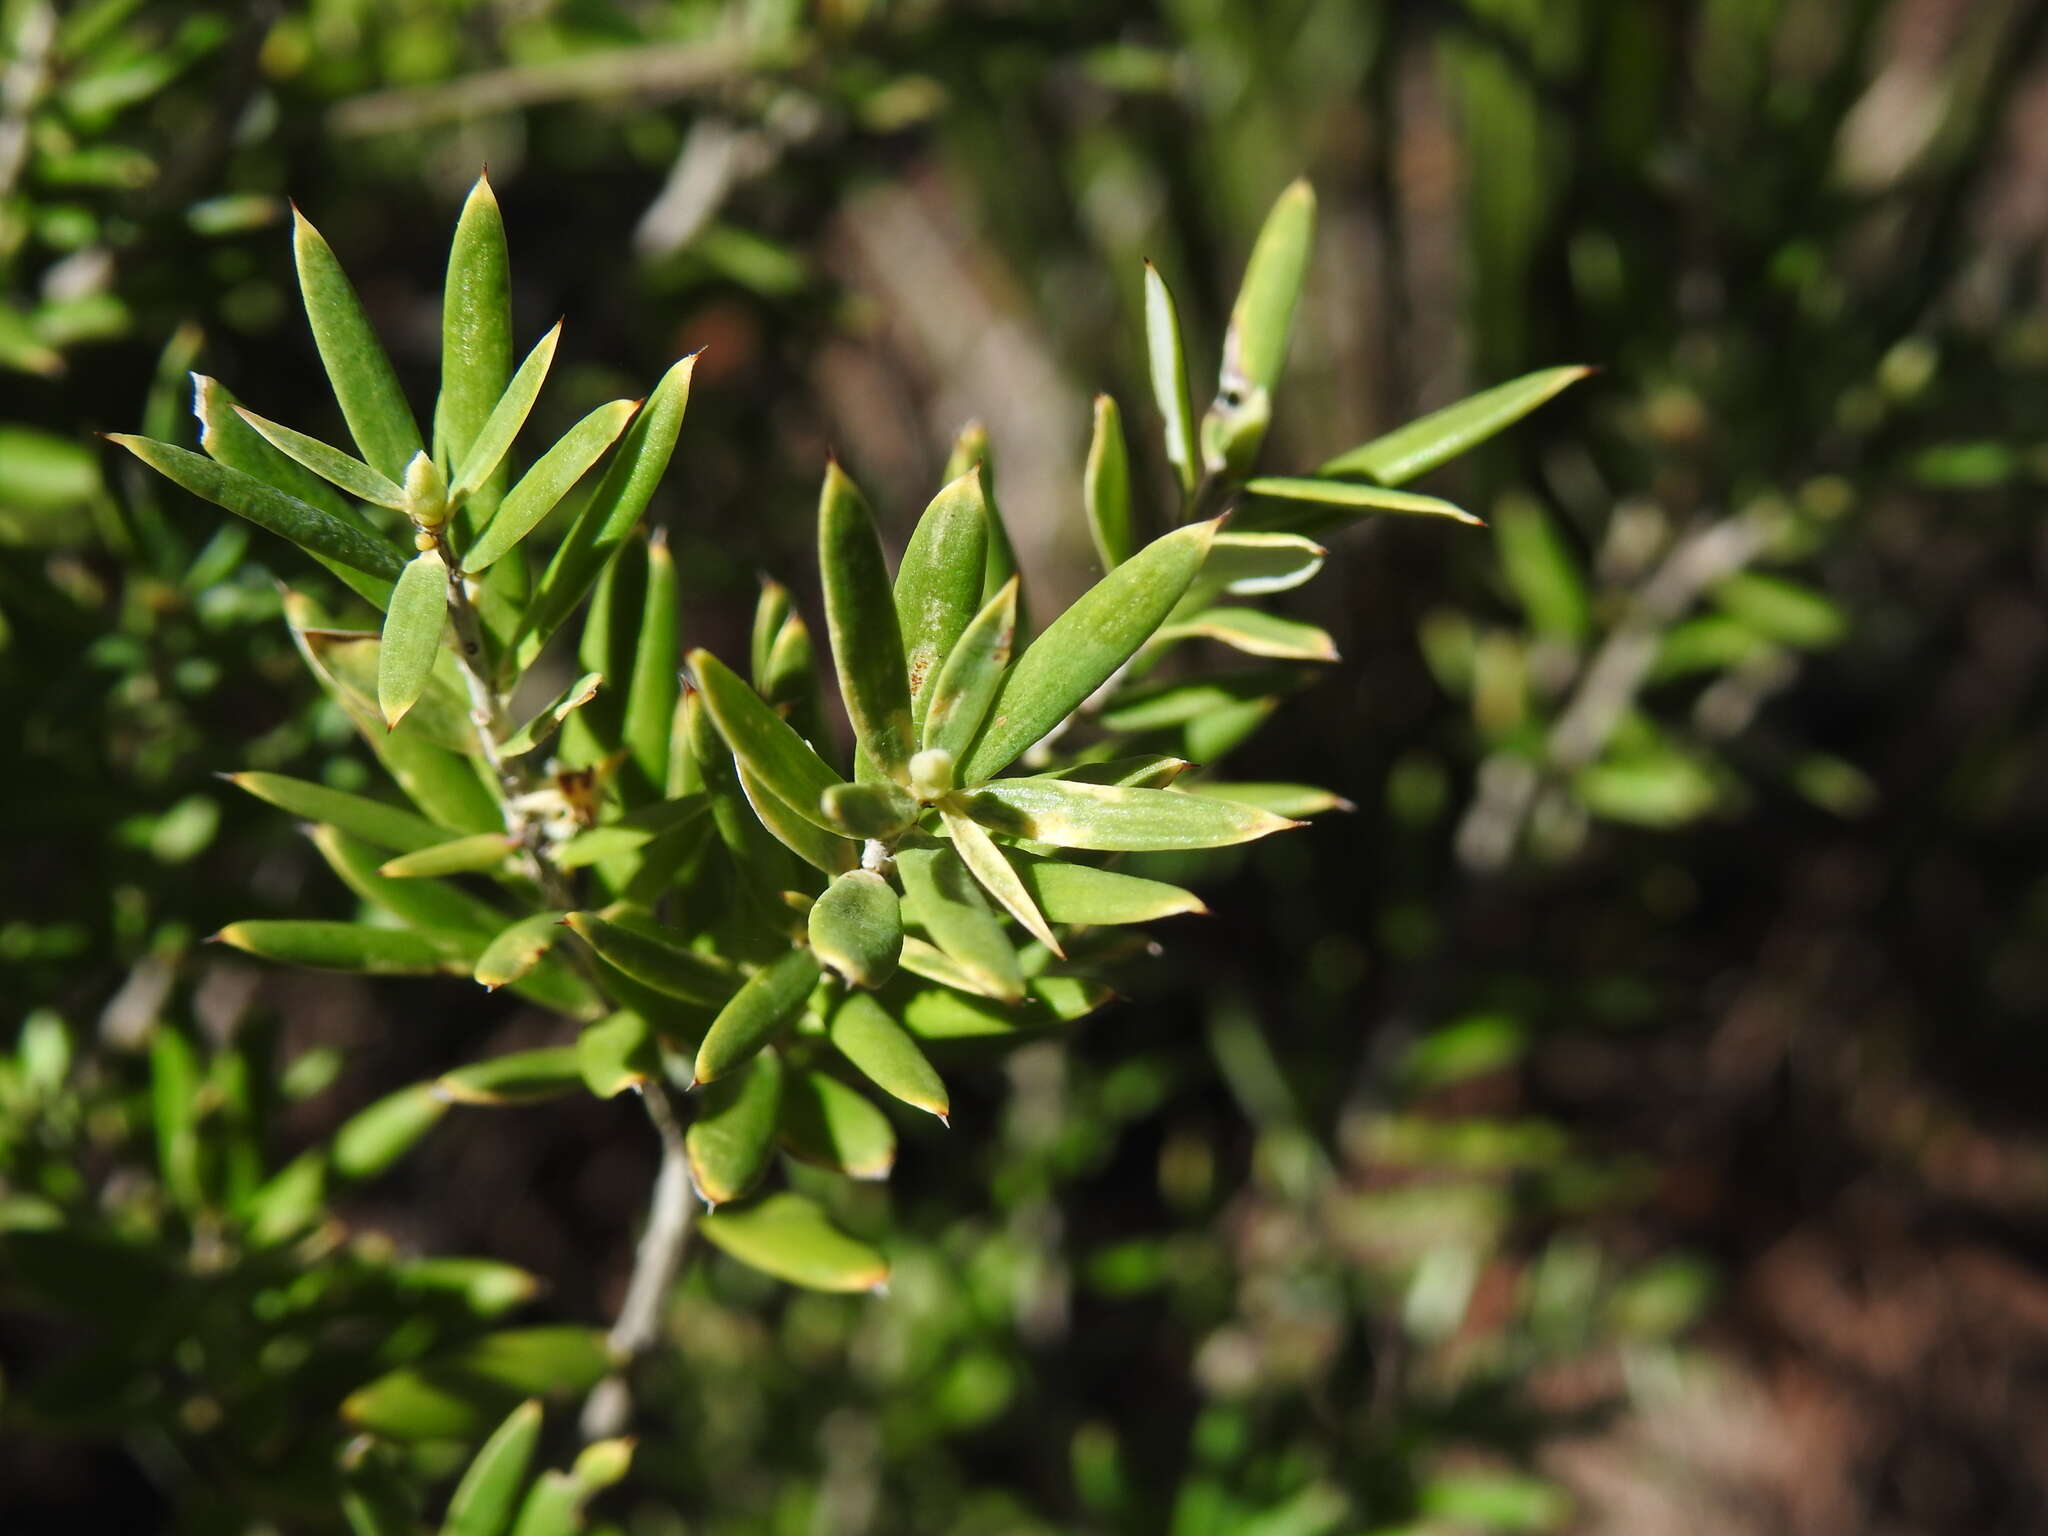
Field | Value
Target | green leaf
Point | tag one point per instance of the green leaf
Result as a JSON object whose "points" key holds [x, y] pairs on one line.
{"points": [[651, 693], [519, 1077], [1345, 498], [792, 680], [616, 1053], [940, 897], [538, 731], [771, 997], [789, 1237], [388, 826], [1782, 610], [1414, 450], [1255, 345], [1299, 801], [613, 510], [326, 946], [1071, 815], [460, 1394], [1255, 565], [470, 855], [1168, 705], [985, 861], [1083, 647], [603, 1464], [825, 1122], [934, 964], [317, 532], [1147, 770], [412, 634], [1080, 893], [494, 438], [664, 967], [863, 1032], [971, 450], [771, 611], [860, 618], [518, 949], [763, 740], [938, 584], [828, 852], [733, 1135], [488, 1495], [374, 1138], [365, 386], [967, 683], [1256, 633], [329, 463], [476, 327], [485, 1287], [353, 662], [542, 486], [878, 810], [1169, 367], [553, 1508], [631, 832], [1106, 487], [856, 928], [939, 1017]]}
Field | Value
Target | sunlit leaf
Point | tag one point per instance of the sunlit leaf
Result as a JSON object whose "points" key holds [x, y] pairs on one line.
{"points": [[1255, 345], [1335, 500], [476, 329], [972, 673], [789, 1237], [1295, 801], [413, 627], [1106, 487], [939, 583], [860, 617], [539, 730], [940, 897], [985, 861], [732, 1136], [1167, 357], [885, 1054], [1256, 633], [829, 852], [542, 486], [616, 1053], [1414, 450], [516, 950], [387, 826], [856, 928], [365, 386], [823, 1121], [329, 463], [1081, 649], [1080, 893], [878, 810], [460, 856], [329, 946], [763, 740], [480, 460], [1073, 815], [771, 997]]}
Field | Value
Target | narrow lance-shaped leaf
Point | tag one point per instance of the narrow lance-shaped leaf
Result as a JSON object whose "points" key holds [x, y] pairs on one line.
{"points": [[612, 511], [1083, 647], [494, 439], [1414, 450], [365, 386], [1299, 801], [488, 1495], [664, 967], [325, 946], [616, 1053], [542, 486], [1255, 565], [883, 1051], [651, 693], [1102, 816], [1106, 486], [1080, 893], [934, 964], [941, 897], [938, 584], [860, 617], [313, 530], [459, 856], [546, 720], [518, 949], [770, 998], [829, 852], [388, 826], [476, 327], [730, 1140], [789, 1237], [462, 1392], [1335, 500], [1255, 632], [519, 1077], [986, 863], [971, 450], [374, 1138], [771, 611], [1255, 346], [856, 928], [232, 442], [763, 740], [823, 1121], [1169, 367], [412, 634], [329, 463], [967, 683]]}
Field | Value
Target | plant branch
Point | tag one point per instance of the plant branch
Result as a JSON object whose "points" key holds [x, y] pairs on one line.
{"points": [[663, 1246]]}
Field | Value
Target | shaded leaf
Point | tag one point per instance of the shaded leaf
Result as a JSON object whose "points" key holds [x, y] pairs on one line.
{"points": [[329, 946], [519, 1077], [856, 928], [460, 1394], [1080, 893], [860, 617], [878, 810], [768, 1000], [387, 826], [941, 897], [1106, 487], [823, 1121], [985, 861], [1167, 358], [616, 1053], [760, 738], [733, 1135], [666, 967], [374, 1138], [488, 1495], [518, 949]]}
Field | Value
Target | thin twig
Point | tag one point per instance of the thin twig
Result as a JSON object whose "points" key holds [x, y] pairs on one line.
{"points": [[659, 1260]]}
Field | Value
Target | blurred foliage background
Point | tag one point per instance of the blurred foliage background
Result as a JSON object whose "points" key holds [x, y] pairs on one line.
{"points": [[1625, 1120]]}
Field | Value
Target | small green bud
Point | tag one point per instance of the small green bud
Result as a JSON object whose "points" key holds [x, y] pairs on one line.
{"points": [[931, 773], [426, 492]]}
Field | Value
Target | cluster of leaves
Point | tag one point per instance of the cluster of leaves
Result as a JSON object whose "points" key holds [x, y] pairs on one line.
{"points": [[690, 877]]}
